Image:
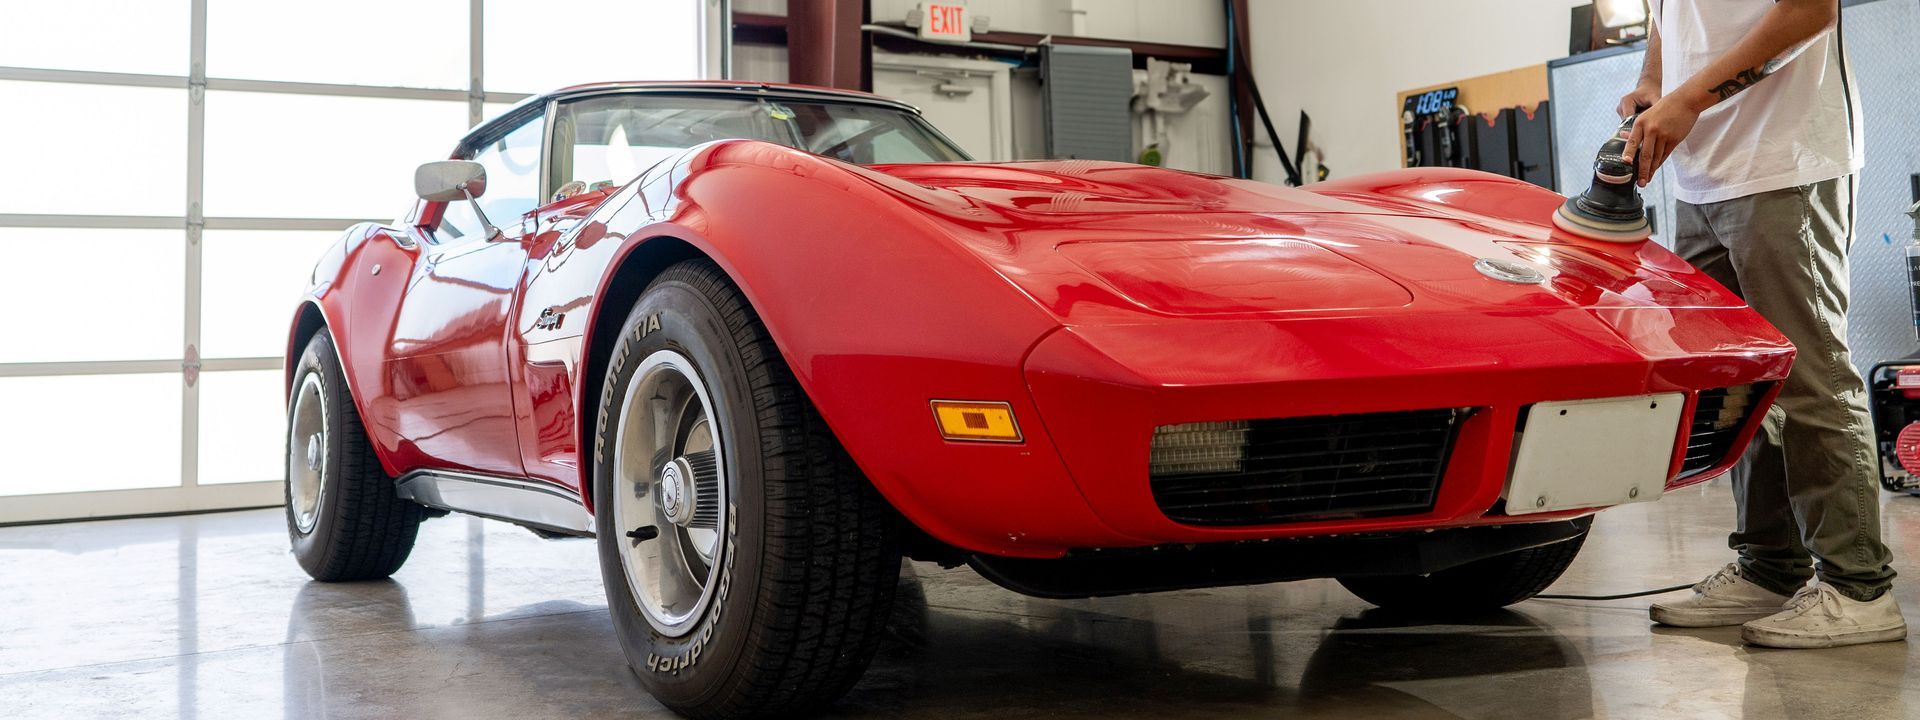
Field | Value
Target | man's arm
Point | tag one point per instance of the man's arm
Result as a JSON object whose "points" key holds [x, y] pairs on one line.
{"points": [[1787, 28], [1647, 92]]}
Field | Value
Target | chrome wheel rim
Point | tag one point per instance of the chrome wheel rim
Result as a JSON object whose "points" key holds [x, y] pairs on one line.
{"points": [[307, 453], [669, 493]]}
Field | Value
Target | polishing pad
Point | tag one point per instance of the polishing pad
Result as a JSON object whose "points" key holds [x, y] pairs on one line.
{"points": [[1570, 219], [1611, 209]]}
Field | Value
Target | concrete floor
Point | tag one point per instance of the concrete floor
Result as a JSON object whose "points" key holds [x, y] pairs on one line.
{"points": [[209, 617]]}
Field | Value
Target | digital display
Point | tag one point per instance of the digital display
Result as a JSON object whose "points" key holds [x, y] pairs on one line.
{"points": [[1433, 101]]}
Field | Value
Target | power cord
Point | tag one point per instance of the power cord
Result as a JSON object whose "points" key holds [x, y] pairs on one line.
{"points": [[1623, 596]]}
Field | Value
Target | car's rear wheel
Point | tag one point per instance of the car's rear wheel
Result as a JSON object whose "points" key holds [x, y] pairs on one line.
{"points": [[344, 518], [1494, 582], [749, 567]]}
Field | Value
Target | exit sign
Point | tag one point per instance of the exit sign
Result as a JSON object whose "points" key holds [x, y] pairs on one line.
{"points": [[944, 21]]}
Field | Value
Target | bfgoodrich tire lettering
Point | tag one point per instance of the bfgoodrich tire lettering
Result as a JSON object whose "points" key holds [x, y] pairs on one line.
{"points": [[808, 556], [351, 524]]}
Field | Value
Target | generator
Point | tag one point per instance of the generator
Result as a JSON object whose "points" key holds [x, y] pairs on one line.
{"points": [[1893, 390]]}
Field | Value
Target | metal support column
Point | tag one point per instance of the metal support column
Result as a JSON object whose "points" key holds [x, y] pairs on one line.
{"points": [[1239, 80], [826, 46]]}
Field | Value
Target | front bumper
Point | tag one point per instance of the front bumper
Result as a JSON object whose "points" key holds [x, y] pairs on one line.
{"points": [[1099, 412]]}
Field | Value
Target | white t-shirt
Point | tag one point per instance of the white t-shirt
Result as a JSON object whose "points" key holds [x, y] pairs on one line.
{"points": [[1798, 126]]}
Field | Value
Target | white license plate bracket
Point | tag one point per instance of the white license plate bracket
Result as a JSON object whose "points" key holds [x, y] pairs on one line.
{"points": [[1594, 453]]}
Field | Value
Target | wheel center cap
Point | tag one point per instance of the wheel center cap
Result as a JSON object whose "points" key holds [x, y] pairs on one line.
{"points": [[676, 492], [313, 451]]}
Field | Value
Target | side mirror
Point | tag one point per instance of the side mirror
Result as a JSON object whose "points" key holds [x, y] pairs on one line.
{"points": [[453, 181], [450, 180]]}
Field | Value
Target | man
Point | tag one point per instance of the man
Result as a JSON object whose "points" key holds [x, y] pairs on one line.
{"points": [[1747, 104]]}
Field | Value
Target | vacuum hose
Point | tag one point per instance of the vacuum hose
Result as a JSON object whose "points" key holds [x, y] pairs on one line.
{"points": [[1611, 208]]}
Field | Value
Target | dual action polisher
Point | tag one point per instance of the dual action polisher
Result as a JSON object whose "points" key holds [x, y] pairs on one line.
{"points": [[1610, 210]]}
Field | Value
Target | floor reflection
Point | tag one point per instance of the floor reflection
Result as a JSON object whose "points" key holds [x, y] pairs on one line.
{"points": [[1158, 656], [208, 617]]}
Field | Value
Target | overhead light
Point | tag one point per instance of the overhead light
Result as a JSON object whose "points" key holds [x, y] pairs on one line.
{"points": [[1616, 14]]}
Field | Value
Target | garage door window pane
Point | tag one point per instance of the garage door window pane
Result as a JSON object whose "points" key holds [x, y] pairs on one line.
{"points": [[105, 35], [99, 432], [111, 294], [611, 40], [242, 426], [328, 42], [276, 155], [92, 149], [490, 111], [250, 282]]}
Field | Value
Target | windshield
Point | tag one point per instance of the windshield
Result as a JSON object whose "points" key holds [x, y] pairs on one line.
{"points": [[613, 138]]}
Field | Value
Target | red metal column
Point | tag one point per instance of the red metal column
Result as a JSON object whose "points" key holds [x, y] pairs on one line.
{"points": [[825, 45], [1240, 80]]}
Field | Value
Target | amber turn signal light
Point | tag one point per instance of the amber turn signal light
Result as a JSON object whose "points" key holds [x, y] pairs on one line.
{"points": [[976, 421]]}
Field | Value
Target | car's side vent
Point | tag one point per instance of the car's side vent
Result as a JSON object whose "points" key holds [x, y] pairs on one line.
{"points": [[1255, 472], [1717, 418]]}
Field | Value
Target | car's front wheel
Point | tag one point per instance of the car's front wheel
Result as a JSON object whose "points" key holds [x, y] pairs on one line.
{"points": [[749, 567], [1494, 582], [343, 515]]}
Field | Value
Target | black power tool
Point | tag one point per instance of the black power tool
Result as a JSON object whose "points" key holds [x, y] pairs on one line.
{"points": [[1610, 209]]}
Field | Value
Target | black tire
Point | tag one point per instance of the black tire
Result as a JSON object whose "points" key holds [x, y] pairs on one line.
{"points": [[360, 528], [1481, 585], [812, 552]]}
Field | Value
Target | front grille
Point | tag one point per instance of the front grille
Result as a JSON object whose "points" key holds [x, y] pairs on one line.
{"points": [[1717, 418], [1267, 471]]}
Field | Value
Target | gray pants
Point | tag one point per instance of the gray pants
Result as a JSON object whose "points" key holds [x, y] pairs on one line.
{"points": [[1806, 492]]}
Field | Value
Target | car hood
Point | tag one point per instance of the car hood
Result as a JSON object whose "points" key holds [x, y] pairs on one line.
{"points": [[1081, 187], [1103, 243]]}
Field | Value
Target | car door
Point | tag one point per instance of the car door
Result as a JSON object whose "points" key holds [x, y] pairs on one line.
{"points": [[450, 367], [597, 147]]}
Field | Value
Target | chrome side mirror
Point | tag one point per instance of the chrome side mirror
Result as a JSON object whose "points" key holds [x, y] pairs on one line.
{"points": [[450, 180], [453, 181]]}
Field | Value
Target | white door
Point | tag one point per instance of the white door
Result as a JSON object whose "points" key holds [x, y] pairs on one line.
{"points": [[966, 99]]}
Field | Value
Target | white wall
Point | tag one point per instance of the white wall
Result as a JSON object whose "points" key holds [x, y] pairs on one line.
{"points": [[1344, 62], [1181, 22], [1197, 140], [760, 63]]}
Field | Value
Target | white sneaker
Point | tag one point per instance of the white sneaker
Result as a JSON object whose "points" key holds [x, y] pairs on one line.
{"points": [[1724, 598], [1820, 617]]}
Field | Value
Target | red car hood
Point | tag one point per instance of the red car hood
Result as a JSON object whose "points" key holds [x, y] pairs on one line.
{"points": [[1102, 243], [1079, 187]]}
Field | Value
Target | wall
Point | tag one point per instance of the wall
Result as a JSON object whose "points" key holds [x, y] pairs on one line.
{"points": [[1197, 140], [1181, 22], [1343, 62]]}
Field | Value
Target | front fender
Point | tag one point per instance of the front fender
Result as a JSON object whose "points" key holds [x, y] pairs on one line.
{"points": [[319, 305], [335, 298], [878, 312]]}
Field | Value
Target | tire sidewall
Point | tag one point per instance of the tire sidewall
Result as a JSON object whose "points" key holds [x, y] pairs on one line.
{"points": [[674, 315], [318, 359]]}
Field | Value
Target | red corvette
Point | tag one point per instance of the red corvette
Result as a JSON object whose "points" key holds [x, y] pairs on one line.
{"points": [[761, 341]]}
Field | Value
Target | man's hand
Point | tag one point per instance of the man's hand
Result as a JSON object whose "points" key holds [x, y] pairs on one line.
{"points": [[1658, 131], [1641, 98]]}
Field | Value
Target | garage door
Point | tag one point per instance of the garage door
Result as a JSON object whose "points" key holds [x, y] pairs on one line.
{"points": [[173, 168]]}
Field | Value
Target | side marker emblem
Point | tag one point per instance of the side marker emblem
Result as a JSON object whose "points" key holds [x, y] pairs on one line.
{"points": [[550, 319]]}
